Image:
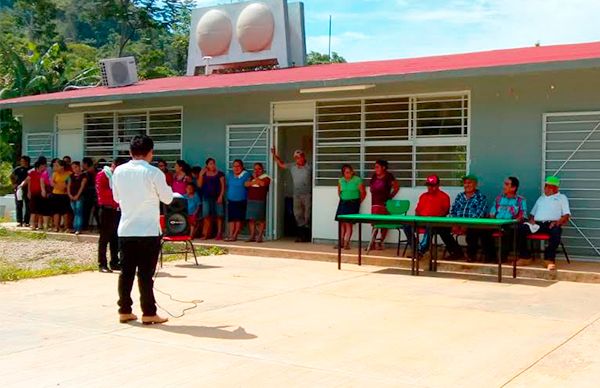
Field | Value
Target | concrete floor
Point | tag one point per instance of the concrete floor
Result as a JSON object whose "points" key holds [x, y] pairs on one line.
{"points": [[267, 322]]}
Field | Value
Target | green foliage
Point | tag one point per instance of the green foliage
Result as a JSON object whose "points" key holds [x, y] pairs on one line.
{"points": [[5, 184], [315, 58], [37, 18], [20, 234], [9, 272], [10, 136], [172, 252]]}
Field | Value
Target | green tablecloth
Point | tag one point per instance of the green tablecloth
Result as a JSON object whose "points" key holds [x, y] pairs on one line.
{"points": [[451, 221]]}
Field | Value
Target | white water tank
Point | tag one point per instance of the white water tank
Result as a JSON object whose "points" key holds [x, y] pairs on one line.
{"points": [[214, 33], [255, 28]]}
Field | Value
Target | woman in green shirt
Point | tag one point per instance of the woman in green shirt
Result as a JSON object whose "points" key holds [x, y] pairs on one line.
{"points": [[351, 192]]}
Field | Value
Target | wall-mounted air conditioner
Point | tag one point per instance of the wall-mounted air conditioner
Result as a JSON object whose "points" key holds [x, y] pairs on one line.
{"points": [[118, 72]]}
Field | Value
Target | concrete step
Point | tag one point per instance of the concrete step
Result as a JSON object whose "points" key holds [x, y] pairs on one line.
{"points": [[583, 272]]}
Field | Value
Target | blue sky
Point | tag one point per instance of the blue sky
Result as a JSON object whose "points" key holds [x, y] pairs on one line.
{"points": [[385, 29]]}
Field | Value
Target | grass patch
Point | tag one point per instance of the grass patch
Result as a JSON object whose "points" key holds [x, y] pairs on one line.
{"points": [[20, 234], [171, 252], [10, 273]]}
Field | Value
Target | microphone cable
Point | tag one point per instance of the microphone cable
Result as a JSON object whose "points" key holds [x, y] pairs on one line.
{"points": [[194, 302]]}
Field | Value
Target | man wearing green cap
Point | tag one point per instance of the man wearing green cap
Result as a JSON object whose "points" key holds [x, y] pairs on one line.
{"points": [[550, 212], [472, 203]]}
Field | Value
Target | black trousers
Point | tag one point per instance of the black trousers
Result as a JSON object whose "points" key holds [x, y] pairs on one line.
{"points": [[90, 209], [551, 246], [109, 223], [473, 237], [139, 253], [22, 217]]}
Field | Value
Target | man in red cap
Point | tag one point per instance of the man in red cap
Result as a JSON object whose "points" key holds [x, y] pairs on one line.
{"points": [[435, 203]]}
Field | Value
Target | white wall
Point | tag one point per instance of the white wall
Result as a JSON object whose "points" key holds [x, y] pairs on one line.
{"points": [[325, 201]]}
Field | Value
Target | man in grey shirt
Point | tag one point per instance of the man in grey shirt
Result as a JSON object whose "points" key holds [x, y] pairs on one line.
{"points": [[301, 172]]}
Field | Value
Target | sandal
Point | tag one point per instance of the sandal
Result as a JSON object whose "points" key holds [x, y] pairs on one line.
{"points": [[250, 240], [551, 267]]}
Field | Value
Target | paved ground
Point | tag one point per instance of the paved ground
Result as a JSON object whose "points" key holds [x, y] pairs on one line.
{"points": [[288, 323]]}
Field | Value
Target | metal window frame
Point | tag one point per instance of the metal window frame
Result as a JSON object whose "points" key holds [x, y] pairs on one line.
{"points": [[51, 136], [116, 147], [459, 140]]}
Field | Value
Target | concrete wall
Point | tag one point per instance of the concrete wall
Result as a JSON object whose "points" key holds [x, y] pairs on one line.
{"points": [[506, 128]]}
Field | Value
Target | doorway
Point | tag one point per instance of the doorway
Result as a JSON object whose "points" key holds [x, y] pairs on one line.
{"points": [[288, 138]]}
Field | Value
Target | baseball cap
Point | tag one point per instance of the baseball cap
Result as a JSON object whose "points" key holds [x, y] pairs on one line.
{"points": [[553, 181], [298, 153], [470, 177], [432, 180]]}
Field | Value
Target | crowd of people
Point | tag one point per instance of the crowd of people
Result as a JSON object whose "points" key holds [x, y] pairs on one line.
{"points": [[67, 195]]}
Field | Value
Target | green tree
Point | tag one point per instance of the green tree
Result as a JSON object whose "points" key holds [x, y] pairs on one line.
{"points": [[32, 73], [316, 58], [135, 19], [10, 136], [38, 19]]}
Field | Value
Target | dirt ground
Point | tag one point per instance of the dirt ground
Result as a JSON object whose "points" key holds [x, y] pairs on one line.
{"points": [[36, 254]]}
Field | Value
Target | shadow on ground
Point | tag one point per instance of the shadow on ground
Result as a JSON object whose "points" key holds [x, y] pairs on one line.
{"points": [[218, 332], [199, 266], [162, 274], [471, 277]]}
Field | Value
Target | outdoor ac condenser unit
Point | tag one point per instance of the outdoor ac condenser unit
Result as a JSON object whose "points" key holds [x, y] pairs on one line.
{"points": [[118, 72]]}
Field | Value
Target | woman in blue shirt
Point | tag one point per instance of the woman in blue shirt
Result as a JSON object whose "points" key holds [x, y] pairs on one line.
{"points": [[237, 194]]}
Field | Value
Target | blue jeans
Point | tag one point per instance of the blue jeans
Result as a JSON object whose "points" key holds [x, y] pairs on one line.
{"points": [[77, 207]]}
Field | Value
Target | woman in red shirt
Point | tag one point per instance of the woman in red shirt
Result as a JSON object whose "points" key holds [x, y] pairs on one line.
{"points": [[36, 193], [256, 211], [383, 187]]}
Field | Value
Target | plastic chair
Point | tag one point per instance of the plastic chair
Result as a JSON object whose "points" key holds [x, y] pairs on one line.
{"points": [[545, 238], [397, 207], [184, 239]]}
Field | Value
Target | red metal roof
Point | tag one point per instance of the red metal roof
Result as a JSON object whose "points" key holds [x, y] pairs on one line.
{"points": [[332, 72]]}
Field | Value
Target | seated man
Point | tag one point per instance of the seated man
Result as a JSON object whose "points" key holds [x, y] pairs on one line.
{"points": [[550, 212], [434, 203], [472, 203], [509, 206]]}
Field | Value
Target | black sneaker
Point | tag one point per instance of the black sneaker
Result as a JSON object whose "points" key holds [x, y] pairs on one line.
{"points": [[115, 267], [104, 269]]}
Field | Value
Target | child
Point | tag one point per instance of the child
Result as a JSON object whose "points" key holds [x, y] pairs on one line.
{"points": [[193, 203], [76, 185]]}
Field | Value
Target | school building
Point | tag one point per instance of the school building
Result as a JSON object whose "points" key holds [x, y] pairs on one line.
{"points": [[527, 112]]}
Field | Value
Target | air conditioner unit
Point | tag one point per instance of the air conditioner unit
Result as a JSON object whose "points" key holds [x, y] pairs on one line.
{"points": [[118, 72]]}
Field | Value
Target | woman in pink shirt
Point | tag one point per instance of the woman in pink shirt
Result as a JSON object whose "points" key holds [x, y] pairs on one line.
{"points": [[181, 177]]}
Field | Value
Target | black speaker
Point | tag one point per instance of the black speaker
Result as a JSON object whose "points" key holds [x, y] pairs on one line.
{"points": [[176, 218]]}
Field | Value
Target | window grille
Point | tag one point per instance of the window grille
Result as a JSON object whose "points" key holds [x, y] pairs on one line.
{"points": [[418, 136], [39, 144], [107, 134]]}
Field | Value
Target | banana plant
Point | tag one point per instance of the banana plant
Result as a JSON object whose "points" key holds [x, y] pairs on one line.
{"points": [[38, 73]]}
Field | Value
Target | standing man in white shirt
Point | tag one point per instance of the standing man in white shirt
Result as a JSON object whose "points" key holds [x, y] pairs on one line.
{"points": [[139, 188], [550, 213]]}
